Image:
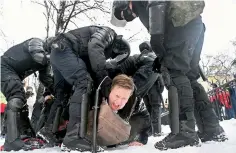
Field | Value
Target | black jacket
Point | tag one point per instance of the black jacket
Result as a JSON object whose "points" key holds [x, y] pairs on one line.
{"points": [[94, 44], [25, 59]]}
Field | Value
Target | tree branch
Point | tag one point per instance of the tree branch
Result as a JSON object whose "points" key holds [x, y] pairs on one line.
{"points": [[69, 18]]}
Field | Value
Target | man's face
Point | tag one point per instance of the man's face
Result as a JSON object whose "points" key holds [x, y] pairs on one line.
{"points": [[118, 97]]}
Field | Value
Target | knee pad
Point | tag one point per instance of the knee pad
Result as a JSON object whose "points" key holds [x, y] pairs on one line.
{"points": [[15, 104], [183, 86], [86, 85], [185, 93]]}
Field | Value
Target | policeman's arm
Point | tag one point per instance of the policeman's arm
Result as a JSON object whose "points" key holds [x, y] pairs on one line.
{"points": [[36, 50], [99, 41], [128, 66], [46, 78]]}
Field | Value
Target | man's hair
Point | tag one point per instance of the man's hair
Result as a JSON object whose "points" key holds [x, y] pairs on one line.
{"points": [[123, 81]]}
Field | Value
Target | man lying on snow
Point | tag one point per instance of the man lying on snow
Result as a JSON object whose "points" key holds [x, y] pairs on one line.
{"points": [[149, 85], [122, 102], [132, 123], [17, 63]]}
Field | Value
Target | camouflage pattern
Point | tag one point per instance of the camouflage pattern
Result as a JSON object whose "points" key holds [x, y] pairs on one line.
{"points": [[182, 12]]}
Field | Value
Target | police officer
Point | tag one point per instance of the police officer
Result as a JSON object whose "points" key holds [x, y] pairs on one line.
{"points": [[177, 34], [79, 56], [17, 63]]}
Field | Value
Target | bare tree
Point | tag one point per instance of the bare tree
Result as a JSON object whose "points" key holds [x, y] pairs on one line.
{"points": [[205, 62], [8, 42], [218, 67], [66, 11]]}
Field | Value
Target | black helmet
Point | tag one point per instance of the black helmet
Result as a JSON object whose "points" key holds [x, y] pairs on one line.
{"points": [[122, 11], [121, 5], [120, 46], [145, 46]]}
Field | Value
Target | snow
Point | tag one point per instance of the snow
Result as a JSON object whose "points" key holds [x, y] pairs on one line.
{"points": [[228, 146]]}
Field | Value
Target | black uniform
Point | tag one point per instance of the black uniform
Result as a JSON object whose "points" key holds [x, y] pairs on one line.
{"points": [[17, 63], [139, 120], [78, 56], [178, 48]]}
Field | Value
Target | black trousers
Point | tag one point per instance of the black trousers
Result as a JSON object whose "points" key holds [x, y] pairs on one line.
{"points": [[73, 70]]}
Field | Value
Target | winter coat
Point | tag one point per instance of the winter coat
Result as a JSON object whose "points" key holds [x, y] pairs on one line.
{"points": [[95, 44], [25, 59], [223, 97]]}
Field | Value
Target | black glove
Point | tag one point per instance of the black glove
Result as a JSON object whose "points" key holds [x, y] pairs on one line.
{"points": [[145, 45], [106, 87], [157, 65]]}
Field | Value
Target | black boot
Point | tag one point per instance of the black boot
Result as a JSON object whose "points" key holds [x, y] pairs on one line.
{"points": [[13, 140], [186, 137], [47, 135], [208, 125], [72, 141], [26, 130], [211, 129]]}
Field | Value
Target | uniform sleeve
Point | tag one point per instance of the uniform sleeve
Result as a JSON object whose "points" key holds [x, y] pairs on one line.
{"points": [[128, 66], [37, 52], [100, 40]]}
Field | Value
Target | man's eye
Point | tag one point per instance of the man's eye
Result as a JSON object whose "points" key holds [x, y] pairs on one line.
{"points": [[117, 96]]}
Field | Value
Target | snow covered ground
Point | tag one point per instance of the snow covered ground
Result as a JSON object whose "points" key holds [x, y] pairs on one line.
{"points": [[209, 147]]}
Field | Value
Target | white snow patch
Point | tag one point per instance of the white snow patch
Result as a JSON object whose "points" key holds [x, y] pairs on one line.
{"points": [[209, 147]]}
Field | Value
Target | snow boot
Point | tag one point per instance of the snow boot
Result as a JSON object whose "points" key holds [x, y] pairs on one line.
{"points": [[186, 137], [72, 141], [47, 135], [13, 139], [207, 121], [26, 130], [209, 128]]}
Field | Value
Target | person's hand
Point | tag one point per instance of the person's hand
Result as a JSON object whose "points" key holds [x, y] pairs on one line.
{"points": [[135, 143], [48, 97]]}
